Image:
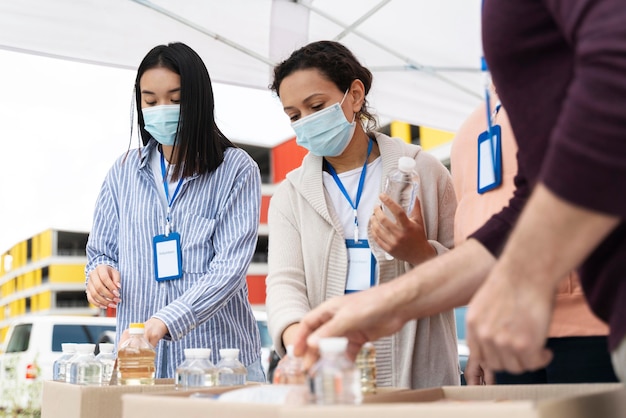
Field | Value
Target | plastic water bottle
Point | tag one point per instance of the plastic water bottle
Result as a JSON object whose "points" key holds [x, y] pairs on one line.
{"points": [[85, 369], [290, 370], [366, 363], [135, 358], [231, 372], [334, 378], [196, 371], [107, 358], [59, 366], [402, 186]]}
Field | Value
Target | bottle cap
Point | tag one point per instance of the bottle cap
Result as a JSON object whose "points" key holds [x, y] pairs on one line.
{"points": [[333, 345], [85, 348], [68, 347], [290, 350], [136, 328], [230, 353], [197, 352], [406, 164], [106, 347]]}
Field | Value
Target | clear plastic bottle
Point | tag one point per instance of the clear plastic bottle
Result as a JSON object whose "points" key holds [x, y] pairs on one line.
{"points": [[402, 185], [196, 371], [85, 369], [135, 358], [231, 372], [59, 366], [366, 363], [334, 378], [107, 358], [290, 370]]}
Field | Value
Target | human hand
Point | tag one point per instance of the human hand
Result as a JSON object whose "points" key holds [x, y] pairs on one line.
{"points": [[405, 237], [364, 316], [103, 287], [507, 323], [475, 374], [153, 330]]}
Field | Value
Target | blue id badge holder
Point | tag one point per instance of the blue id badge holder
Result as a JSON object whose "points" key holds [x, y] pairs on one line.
{"points": [[168, 260], [361, 266], [489, 160]]}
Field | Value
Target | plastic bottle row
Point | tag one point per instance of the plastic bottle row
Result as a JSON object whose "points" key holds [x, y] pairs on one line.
{"points": [[79, 365], [334, 379], [136, 364]]}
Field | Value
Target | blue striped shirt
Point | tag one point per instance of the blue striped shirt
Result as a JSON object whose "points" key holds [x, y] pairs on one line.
{"points": [[217, 217]]}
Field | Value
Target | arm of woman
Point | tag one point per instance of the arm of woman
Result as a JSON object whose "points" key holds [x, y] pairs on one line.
{"points": [[287, 301], [102, 277]]}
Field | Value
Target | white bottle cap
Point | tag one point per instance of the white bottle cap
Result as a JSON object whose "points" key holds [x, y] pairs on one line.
{"points": [[136, 328], [85, 348], [333, 345], [406, 164], [68, 347], [290, 350], [229, 353], [106, 347], [197, 352]]}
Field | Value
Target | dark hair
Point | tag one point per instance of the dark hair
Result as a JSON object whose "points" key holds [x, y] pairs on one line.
{"points": [[199, 141], [335, 62]]}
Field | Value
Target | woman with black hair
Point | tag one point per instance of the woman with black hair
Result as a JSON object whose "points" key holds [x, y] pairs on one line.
{"points": [[325, 217], [175, 224]]}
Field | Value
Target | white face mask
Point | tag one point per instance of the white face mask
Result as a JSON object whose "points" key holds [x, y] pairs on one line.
{"points": [[326, 133], [162, 122]]}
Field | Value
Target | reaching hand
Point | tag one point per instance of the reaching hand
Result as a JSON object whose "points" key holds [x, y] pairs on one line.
{"points": [[361, 317], [507, 323]]}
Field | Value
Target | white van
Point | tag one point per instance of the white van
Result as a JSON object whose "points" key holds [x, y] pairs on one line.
{"points": [[33, 343]]}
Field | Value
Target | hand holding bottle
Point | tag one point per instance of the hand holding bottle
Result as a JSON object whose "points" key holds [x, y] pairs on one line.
{"points": [[403, 237]]}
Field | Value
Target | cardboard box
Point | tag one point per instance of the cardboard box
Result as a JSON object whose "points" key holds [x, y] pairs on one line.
{"points": [[523, 401], [64, 400]]}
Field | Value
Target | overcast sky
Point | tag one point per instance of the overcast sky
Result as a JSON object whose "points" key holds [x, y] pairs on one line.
{"points": [[63, 124]]}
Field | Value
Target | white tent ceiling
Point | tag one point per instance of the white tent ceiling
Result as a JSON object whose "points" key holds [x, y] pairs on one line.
{"points": [[424, 54]]}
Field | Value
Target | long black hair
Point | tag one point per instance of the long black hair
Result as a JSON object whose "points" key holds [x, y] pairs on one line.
{"points": [[335, 62], [199, 143]]}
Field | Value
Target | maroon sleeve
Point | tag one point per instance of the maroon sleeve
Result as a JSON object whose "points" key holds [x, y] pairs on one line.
{"points": [[494, 233], [586, 160]]}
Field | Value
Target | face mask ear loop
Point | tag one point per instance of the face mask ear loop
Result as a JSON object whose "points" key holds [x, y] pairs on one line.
{"points": [[341, 104]]}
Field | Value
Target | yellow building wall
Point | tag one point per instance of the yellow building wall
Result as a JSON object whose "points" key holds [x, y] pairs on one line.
{"points": [[432, 138], [45, 244], [45, 300], [69, 273], [401, 130]]}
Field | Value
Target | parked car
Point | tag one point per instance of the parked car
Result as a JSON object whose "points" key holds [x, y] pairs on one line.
{"points": [[266, 340], [33, 343], [459, 315]]}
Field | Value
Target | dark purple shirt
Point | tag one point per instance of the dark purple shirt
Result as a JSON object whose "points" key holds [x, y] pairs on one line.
{"points": [[560, 70]]}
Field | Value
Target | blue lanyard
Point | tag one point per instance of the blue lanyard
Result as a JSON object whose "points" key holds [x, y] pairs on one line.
{"points": [[167, 195], [490, 118], [359, 191]]}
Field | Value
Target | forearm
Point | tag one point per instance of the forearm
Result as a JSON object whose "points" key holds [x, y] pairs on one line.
{"points": [[441, 283], [556, 235]]}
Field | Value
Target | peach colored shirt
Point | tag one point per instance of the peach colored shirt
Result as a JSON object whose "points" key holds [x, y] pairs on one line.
{"points": [[572, 316]]}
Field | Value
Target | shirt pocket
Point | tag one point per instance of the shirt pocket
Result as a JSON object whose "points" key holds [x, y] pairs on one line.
{"points": [[196, 236]]}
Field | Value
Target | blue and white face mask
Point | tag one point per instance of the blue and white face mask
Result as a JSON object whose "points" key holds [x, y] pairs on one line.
{"points": [[326, 133], [162, 122]]}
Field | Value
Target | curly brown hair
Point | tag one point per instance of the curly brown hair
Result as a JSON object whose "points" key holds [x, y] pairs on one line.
{"points": [[335, 62]]}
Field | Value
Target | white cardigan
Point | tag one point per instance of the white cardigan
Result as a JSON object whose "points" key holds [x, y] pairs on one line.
{"points": [[308, 264]]}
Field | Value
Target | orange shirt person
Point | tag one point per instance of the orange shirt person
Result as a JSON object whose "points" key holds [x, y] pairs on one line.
{"points": [[577, 337]]}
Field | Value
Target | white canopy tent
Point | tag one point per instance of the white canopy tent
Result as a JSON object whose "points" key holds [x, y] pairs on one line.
{"points": [[63, 123], [425, 54]]}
